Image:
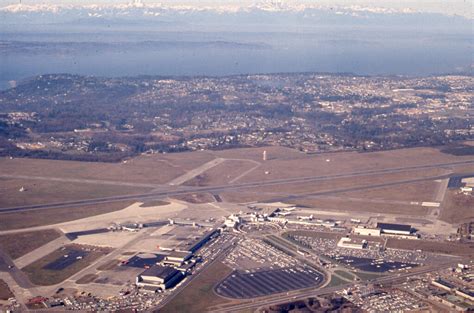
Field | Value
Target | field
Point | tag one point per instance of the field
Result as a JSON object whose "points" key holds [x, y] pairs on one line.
{"points": [[19, 244], [152, 169], [57, 215], [356, 190], [457, 208], [199, 294], [224, 173], [313, 234], [89, 278], [41, 191], [5, 292], [195, 198], [281, 164], [42, 273]]}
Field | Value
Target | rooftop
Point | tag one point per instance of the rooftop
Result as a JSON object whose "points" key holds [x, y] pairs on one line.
{"points": [[163, 272], [400, 227]]}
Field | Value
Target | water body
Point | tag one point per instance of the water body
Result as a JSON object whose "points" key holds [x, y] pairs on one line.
{"points": [[216, 54]]}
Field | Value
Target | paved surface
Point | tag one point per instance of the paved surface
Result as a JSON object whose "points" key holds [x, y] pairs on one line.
{"points": [[195, 172], [41, 252], [186, 190], [18, 276]]}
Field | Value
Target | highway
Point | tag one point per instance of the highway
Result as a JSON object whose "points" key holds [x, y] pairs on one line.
{"points": [[220, 188]]}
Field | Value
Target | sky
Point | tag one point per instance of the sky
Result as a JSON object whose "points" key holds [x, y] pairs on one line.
{"points": [[459, 7]]}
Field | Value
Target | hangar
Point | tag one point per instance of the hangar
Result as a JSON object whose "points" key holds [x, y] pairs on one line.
{"points": [[395, 229], [159, 277]]}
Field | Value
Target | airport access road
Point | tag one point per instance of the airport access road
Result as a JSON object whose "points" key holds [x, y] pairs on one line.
{"points": [[220, 188], [304, 294]]}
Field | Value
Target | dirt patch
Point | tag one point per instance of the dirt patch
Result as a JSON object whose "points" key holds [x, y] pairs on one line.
{"points": [[57, 215], [19, 244], [5, 292]]}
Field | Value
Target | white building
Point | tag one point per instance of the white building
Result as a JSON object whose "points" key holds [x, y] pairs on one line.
{"points": [[365, 231]]}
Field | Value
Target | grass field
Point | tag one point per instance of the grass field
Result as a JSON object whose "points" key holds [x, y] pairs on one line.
{"points": [[155, 169], [358, 201], [313, 234], [336, 281], [222, 174], [86, 279], [199, 294], [284, 165], [420, 191], [5, 292], [41, 191], [44, 277], [58, 215], [346, 275], [195, 198], [19, 244], [109, 265], [367, 275]]}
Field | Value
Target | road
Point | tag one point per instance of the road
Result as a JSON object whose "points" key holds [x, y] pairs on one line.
{"points": [[220, 188]]}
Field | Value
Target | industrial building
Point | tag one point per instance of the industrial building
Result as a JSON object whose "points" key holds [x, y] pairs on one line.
{"points": [[365, 231], [177, 258], [394, 229], [351, 243], [201, 241], [159, 278], [442, 284]]}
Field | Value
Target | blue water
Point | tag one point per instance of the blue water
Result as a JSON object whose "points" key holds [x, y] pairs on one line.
{"points": [[369, 53]]}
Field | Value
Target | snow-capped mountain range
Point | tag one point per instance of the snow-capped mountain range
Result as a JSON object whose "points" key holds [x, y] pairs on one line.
{"points": [[265, 12]]}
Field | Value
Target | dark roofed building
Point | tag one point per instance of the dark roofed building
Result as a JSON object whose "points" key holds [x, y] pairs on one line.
{"points": [[398, 229], [161, 277]]}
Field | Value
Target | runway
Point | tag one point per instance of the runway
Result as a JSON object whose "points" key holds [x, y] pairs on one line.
{"points": [[180, 190]]}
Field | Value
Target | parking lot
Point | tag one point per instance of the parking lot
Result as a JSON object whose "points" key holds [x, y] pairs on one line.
{"points": [[372, 265], [255, 254], [245, 284]]}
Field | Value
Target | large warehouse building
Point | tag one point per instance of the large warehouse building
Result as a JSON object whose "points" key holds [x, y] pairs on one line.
{"points": [[159, 277], [394, 229]]}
